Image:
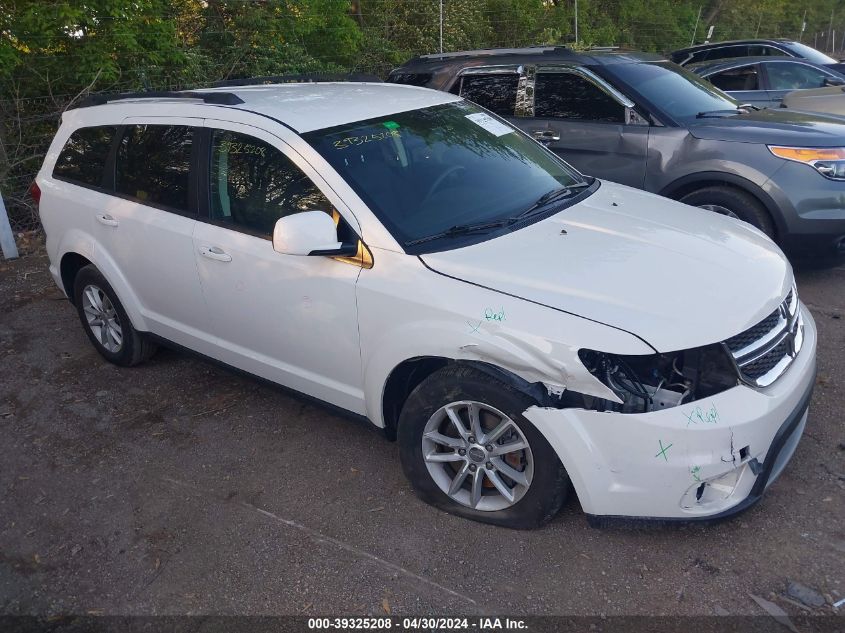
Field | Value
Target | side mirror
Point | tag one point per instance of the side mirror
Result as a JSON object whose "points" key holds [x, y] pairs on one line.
{"points": [[307, 233], [834, 81]]}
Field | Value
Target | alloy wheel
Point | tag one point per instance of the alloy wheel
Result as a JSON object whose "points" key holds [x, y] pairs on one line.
{"points": [[718, 208], [477, 455], [102, 318]]}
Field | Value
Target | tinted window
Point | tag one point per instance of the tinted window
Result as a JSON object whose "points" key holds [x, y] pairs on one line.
{"points": [[424, 171], [411, 79], [569, 96], [154, 163], [253, 184], [743, 78], [727, 52], [794, 76], [496, 92], [763, 50], [699, 56], [672, 89], [84, 155]]}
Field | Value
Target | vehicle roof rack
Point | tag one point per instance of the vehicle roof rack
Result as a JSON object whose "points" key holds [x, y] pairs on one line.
{"points": [[527, 50], [219, 98], [297, 79]]}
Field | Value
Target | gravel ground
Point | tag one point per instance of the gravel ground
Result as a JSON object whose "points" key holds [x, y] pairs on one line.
{"points": [[178, 487]]}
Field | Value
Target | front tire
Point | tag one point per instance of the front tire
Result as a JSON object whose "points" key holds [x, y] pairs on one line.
{"points": [[732, 202], [467, 449], [105, 320]]}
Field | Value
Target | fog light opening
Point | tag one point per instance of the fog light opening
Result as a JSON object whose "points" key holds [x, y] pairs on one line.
{"points": [[712, 492]]}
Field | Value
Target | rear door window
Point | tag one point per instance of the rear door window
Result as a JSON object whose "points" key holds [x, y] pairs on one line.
{"points": [[570, 96], [154, 164], [84, 156], [742, 78], [494, 91]]}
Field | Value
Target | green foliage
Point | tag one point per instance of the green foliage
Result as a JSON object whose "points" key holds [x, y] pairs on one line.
{"points": [[53, 51]]}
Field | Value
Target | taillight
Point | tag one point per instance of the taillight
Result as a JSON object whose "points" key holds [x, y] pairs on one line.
{"points": [[35, 192]]}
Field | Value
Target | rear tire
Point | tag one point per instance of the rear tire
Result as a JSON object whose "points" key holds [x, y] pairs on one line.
{"points": [[733, 202], [495, 470], [105, 320]]}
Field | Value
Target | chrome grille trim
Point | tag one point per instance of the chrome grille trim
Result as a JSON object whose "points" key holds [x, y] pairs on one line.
{"points": [[763, 352]]}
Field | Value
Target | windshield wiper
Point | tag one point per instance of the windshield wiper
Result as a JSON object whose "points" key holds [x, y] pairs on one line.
{"points": [[716, 114], [549, 197], [460, 229], [544, 200]]}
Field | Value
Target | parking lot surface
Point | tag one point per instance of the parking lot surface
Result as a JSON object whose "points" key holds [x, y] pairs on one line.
{"points": [[178, 487]]}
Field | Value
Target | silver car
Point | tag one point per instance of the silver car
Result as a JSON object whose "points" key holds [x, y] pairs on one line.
{"points": [[643, 121]]}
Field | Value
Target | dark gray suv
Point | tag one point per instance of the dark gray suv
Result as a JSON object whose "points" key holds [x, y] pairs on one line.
{"points": [[643, 121]]}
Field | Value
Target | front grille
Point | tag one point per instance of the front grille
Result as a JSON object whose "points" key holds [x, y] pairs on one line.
{"points": [[764, 351], [758, 368], [754, 333]]}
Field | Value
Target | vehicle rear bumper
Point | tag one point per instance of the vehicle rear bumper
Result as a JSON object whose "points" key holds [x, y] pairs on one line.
{"points": [[707, 460]]}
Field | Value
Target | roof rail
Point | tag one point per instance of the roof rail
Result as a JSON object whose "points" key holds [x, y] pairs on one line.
{"points": [[296, 79], [219, 98], [527, 50]]}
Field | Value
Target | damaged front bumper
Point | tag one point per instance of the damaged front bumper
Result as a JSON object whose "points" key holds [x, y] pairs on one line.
{"points": [[706, 460]]}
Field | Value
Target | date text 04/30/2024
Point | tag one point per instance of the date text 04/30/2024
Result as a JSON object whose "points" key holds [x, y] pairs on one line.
{"points": [[417, 624]]}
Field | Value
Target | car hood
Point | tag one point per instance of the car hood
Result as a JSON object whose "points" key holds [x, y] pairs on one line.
{"points": [[676, 276], [773, 126], [829, 100]]}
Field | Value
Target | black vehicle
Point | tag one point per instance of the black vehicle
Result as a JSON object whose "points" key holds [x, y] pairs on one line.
{"points": [[753, 48], [643, 121], [765, 81]]}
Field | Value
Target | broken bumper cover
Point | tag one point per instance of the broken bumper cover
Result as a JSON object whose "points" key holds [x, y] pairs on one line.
{"points": [[705, 460]]}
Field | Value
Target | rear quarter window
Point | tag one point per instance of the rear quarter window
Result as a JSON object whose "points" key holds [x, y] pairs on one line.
{"points": [[84, 156]]}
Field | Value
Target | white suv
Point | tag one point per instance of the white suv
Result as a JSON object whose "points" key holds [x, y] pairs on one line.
{"points": [[411, 259]]}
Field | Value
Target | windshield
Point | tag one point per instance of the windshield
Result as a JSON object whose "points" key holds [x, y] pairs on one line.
{"points": [[679, 93], [427, 171], [810, 53]]}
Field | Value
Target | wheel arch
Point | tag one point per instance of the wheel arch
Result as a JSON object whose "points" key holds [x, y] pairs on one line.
{"points": [[680, 187], [69, 267], [408, 374]]}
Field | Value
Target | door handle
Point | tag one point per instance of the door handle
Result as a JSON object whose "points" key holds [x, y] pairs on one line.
{"points": [[105, 218], [215, 253], [545, 136]]}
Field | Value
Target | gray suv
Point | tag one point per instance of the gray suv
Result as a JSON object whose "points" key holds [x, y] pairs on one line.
{"points": [[643, 121]]}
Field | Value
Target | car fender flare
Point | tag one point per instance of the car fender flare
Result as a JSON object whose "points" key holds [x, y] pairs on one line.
{"points": [[708, 178], [76, 241]]}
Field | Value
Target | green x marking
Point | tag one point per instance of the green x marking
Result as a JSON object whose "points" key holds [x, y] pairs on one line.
{"points": [[663, 450]]}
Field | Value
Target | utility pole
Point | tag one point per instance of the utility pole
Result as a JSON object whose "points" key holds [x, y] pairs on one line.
{"points": [[759, 22], [830, 32], [576, 21], [7, 239], [695, 28], [441, 26], [803, 26]]}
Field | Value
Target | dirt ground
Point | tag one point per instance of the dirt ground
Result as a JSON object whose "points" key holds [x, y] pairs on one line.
{"points": [[178, 487]]}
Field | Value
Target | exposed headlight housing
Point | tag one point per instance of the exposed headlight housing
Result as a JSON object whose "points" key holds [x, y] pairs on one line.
{"points": [[828, 161], [659, 381]]}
